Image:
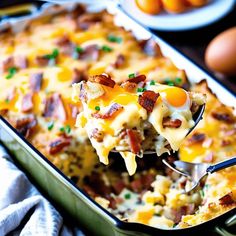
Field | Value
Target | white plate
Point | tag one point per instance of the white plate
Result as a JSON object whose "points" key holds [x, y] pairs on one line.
{"points": [[191, 19]]}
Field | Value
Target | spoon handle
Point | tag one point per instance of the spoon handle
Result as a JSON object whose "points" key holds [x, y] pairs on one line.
{"points": [[221, 165]]}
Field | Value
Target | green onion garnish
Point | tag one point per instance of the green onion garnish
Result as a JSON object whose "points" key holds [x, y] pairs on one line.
{"points": [[106, 48], [67, 129], [152, 82], [178, 80], [169, 82], [79, 49], [140, 90], [114, 39], [127, 196], [53, 55], [62, 129], [202, 194], [97, 108], [131, 75], [7, 101], [50, 125], [11, 72]]}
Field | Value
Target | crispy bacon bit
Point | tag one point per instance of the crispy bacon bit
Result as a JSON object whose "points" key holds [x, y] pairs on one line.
{"points": [[128, 86], [184, 210], [86, 20], [97, 135], [41, 61], [36, 81], [26, 125], [7, 63], [21, 62], [137, 79], [113, 110], [120, 61], [3, 112], [103, 79], [168, 122], [66, 46], [54, 107], [147, 100], [142, 84], [151, 48], [27, 102], [225, 142], [196, 138], [78, 10], [135, 140], [90, 53], [118, 186], [227, 199], [59, 144], [143, 183], [225, 117], [78, 76]]}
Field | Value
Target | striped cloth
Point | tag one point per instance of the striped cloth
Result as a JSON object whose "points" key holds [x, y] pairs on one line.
{"points": [[23, 210]]}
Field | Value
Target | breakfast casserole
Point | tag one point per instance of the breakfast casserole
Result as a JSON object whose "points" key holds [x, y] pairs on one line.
{"points": [[135, 116], [38, 67]]}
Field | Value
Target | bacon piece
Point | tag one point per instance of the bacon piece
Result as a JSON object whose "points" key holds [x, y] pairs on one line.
{"points": [[183, 210], [41, 61], [7, 64], [209, 158], [147, 100], [103, 79], [227, 199], [78, 76], [27, 102], [97, 135], [118, 186], [225, 143], [59, 144], [128, 86], [66, 46], [86, 20], [120, 61], [135, 140], [54, 107], [36, 81], [168, 122], [151, 48], [77, 11], [113, 110], [196, 138], [90, 53], [137, 79], [26, 125], [21, 62], [225, 117]]}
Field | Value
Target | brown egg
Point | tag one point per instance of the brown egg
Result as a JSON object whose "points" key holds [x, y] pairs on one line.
{"points": [[220, 54]]}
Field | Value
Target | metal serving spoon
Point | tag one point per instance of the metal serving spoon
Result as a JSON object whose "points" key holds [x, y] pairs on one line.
{"points": [[197, 172], [196, 117]]}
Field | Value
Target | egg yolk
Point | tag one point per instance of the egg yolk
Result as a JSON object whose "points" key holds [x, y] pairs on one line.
{"points": [[175, 96]]}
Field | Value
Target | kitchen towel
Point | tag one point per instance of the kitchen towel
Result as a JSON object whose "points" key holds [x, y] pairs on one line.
{"points": [[23, 210]]}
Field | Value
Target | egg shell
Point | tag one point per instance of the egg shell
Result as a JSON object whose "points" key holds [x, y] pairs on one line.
{"points": [[220, 54]]}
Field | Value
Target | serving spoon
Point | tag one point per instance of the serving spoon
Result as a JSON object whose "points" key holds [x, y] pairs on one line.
{"points": [[197, 172]]}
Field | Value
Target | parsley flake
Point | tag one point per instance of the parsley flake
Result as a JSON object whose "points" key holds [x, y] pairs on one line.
{"points": [[79, 49], [127, 196], [131, 75], [97, 108], [169, 82], [114, 39], [152, 82], [11, 72], [67, 129], [62, 129], [106, 48], [178, 80], [50, 125], [53, 55], [140, 90]]}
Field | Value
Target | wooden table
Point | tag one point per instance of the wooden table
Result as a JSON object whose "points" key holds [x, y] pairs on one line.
{"points": [[193, 43]]}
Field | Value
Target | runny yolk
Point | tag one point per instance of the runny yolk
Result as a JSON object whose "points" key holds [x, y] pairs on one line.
{"points": [[175, 96]]}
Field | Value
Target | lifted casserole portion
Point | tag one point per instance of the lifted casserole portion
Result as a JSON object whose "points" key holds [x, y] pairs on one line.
{"points": [[134, 117]]}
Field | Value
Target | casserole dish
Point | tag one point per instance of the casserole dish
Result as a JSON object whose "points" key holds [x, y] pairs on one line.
{"points": [[71, 201]]}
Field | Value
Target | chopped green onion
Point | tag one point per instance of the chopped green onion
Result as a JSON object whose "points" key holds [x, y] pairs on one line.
{"points": [[127, 196], [7, 101], [79, 49], [140, 90], [62, 129], [67, 129], [131, 75], [169, 82], [202, 194], [50, 125], [11, 72], [106, 48], [152, 82], [114, 39], [97, 108], [178, 80], [53, 55]]}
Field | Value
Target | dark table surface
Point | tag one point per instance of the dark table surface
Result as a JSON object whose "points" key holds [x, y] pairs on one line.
{"points": [[193, 43]]}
